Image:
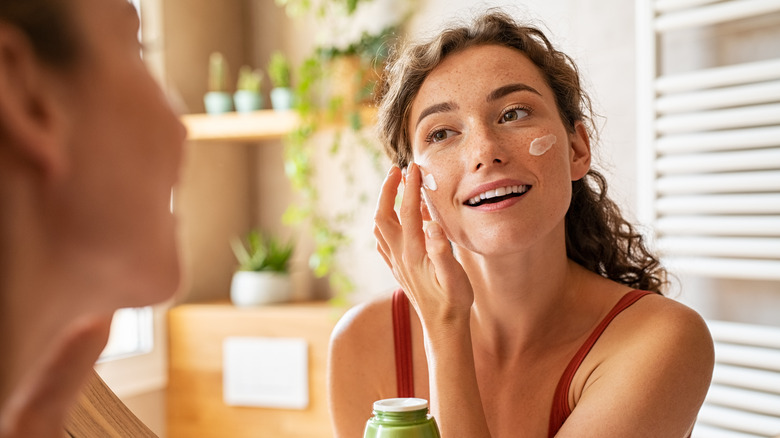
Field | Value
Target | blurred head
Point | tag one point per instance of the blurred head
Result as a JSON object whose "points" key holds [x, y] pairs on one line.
{"points": [[79, 109], [48, 24]]}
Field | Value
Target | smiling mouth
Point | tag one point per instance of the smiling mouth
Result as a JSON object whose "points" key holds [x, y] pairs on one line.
{"points": [[497, 195]]}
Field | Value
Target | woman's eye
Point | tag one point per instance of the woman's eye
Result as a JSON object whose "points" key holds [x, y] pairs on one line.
{"points": [[514, 114], [439, 135]]}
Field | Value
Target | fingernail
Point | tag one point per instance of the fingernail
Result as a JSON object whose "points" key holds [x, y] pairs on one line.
{"points": [[433, 230]]}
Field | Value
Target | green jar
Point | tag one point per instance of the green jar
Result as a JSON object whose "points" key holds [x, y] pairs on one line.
{"points": [[401, 418]]}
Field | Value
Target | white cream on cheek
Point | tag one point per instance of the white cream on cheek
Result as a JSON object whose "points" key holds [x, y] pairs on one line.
{"points": [[428, 181], [542, 144]]}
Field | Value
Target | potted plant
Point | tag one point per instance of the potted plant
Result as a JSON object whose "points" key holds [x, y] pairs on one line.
{"points": [[279, 73], [217, 100], [263, 273], [247, 96]]}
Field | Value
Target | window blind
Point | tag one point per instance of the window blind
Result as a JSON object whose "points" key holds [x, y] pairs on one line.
{"points": [[709, 146]]}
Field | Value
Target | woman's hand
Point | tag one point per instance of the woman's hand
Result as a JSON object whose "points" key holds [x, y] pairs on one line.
{"points": [[440, 291], [422, 262]]}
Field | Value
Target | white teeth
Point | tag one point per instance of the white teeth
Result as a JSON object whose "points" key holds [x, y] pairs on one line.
{"points": [[501, 191]]}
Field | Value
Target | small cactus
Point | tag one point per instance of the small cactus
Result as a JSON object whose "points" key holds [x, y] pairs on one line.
{"points": [[279, 70], [217, 72], [249, 80]]}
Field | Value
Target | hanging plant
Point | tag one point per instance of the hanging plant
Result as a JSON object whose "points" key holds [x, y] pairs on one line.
{"points": [[298, 8], [334, 87]]}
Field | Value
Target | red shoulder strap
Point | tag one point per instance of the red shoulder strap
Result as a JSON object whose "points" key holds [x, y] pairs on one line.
{"points": [[560, 408], [402, 335]]}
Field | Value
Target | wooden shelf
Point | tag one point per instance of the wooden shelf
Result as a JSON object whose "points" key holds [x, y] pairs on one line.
{"points": [[255, 126]]}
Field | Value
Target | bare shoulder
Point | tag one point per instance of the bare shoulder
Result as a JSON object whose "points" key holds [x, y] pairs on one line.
{"points": [[364, 326], [660, 318], [657, 326], [360, 364], [654, 361]]}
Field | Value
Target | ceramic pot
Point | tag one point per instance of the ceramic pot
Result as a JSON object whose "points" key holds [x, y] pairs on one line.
{"points": [[281, 98], [250, 288], [218, 102], [247, 101]]}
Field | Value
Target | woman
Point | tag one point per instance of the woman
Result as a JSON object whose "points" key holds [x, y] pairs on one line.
{"points": [[89, 151], [537, 308]]}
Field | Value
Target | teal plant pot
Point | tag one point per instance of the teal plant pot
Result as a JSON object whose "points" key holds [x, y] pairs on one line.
{"points": [[218, 102], [247, 101], [282, 98]]}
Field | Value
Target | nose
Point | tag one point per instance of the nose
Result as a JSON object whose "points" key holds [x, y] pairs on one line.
{"points": [[486, 149]]}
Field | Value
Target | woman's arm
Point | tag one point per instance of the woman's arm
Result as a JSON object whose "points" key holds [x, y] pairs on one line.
{"points": [[440, 291], [358, 372]]}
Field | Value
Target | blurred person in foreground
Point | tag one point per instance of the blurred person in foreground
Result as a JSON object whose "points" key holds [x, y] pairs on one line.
{"points": [[89, 152]]}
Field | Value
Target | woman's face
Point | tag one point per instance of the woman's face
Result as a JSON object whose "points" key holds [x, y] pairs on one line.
{"points": [[125, 146], [485, 125]]}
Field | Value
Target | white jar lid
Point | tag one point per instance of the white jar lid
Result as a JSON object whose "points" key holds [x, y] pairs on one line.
{"points": [[400, 404]]}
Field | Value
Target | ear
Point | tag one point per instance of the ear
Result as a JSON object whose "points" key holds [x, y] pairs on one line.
{"points": [[31, 123], [579, 155]]}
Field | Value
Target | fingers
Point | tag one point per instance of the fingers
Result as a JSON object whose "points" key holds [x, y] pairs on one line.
{"points": [[384, 255], [410, 214], [387, 228], [386, 203], [440, 253], [400, 238], [410, 206]]}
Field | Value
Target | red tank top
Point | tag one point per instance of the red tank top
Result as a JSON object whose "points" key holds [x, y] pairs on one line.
{"points": [[560, 409]]}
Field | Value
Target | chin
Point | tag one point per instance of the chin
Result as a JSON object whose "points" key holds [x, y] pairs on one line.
{"points": [[167, 275], [155, 274], [161, 282]]}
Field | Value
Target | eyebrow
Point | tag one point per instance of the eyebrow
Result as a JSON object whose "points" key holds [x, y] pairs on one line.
{"points": [[509, 89], [436, 108], [494, 95]]}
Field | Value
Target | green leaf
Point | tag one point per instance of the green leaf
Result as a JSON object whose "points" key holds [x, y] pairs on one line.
{"points": [[354, 121], [351, 6], [262, 253]]}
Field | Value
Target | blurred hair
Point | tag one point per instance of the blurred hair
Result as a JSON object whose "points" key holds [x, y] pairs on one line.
{"points": [[48, 24], [597, 235]]}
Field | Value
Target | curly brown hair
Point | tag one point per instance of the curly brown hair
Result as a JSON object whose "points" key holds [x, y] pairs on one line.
{"points": [[598, 237]]}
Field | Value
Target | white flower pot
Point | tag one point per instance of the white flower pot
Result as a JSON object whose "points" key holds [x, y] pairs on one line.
{"points": [[281, 98], [250, 288]]}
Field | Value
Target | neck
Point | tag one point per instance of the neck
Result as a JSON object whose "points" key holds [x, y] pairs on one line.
{"points": [[521, 300], [52, 331]]}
